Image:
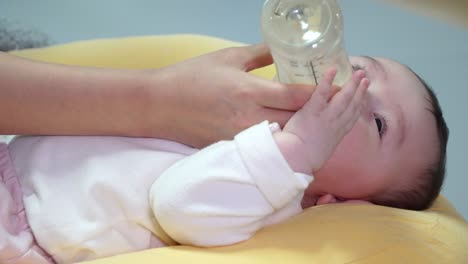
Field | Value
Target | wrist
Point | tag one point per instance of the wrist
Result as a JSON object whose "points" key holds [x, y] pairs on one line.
{"points": [[294, 151], [151, 104]]}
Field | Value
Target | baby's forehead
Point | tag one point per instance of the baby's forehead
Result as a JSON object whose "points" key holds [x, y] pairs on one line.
{"points": [[403, 82], [421, 147], [417, 119]]}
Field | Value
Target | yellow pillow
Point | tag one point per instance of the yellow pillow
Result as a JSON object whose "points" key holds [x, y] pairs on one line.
{"points": [[324, 234], [134, 52]]}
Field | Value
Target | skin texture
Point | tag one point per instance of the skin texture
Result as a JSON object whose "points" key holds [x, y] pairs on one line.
{"points": [[196, 102], [365, 163]]}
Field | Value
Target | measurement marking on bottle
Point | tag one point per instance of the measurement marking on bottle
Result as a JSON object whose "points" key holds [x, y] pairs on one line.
{"points": [[311, 64]]}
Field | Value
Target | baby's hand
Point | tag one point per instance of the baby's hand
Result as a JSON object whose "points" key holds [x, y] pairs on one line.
{"points": [[310, 137]]}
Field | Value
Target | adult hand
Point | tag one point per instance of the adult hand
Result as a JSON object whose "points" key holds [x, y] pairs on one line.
{"points": [[213, 97]]}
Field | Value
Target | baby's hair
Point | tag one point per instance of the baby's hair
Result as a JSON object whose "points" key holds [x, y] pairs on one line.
{"points": [[422, 192]]}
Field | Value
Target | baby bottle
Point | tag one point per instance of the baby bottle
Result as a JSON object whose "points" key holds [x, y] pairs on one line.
{"points": [[305, 38]]}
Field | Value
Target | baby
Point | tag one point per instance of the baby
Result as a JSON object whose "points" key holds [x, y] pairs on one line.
{"points": [[381, 139]]}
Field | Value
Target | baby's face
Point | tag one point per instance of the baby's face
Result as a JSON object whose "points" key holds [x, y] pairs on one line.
{"points": [[394, 138]]}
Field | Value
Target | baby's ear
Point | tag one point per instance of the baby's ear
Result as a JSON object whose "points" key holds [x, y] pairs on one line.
{"points": [[309, 201], [327, 199], [331, 199]]}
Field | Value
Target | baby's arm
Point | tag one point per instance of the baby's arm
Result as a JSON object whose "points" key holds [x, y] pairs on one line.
{"points": [[228, 191]]}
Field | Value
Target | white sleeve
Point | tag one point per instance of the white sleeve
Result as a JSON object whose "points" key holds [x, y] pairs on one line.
{"points": [[226, 192]]}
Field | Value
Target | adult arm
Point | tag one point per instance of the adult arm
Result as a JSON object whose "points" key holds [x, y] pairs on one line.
{"points": [[196, 102]]}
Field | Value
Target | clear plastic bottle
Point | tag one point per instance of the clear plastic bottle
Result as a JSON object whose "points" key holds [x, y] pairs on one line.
{"points": [[305, 38]]}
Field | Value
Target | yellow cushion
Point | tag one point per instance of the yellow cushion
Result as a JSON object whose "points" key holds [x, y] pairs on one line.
{"points": [[335, 234], [324, 234], [134, 52]]}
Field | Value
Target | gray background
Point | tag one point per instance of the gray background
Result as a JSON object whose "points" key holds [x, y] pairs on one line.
{"points": [[437, 51]]}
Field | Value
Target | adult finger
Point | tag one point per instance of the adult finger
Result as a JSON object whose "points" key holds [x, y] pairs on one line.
{"points": [[271, 115], [275, 115], [277, 95]]}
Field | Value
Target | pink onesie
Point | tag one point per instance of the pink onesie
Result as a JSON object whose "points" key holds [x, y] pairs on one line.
{"points": [[70, 199], [17, 240]]}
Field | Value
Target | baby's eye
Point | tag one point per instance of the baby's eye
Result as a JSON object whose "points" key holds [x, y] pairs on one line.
{"points": [[381, 123], [357, 67]]}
